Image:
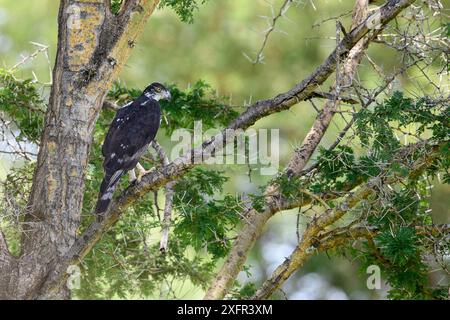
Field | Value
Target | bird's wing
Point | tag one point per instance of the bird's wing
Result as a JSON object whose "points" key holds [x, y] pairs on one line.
{"points": [[130, 133], [114, 126]]}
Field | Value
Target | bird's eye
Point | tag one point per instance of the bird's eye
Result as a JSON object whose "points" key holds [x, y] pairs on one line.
{"points": [[158, 89]]}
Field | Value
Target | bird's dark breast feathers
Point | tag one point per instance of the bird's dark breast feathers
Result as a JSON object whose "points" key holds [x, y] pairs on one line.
{"points": [[130, 133]]}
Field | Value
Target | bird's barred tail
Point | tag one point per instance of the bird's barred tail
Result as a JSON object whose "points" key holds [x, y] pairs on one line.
{"points": [[107, 188]]}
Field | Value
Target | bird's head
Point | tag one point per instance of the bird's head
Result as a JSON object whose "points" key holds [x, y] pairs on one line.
{"points": [[157, 91]]}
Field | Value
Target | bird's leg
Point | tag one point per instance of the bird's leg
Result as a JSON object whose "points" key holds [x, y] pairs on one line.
{"points": [[142, 171], [131, 176]]}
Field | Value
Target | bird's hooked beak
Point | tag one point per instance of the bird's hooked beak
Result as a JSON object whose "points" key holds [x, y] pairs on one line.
{"points": [[167, 95]]}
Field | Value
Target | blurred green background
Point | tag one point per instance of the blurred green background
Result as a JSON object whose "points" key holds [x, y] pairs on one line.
{"points": [[214, 49]]}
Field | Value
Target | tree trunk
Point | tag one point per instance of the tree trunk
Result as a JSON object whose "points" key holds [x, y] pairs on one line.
{"points": [[93, 45]]}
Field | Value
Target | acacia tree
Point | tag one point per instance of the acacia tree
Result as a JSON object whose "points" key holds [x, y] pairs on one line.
{"points": [[369, 201]]}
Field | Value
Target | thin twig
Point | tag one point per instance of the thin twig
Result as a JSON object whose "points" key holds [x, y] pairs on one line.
{"points": [[283, 9], [31, 56]]}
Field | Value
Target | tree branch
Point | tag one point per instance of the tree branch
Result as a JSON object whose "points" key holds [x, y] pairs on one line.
{"points": [[107, 4], [304, 89], [336, 238], [329, 96]]}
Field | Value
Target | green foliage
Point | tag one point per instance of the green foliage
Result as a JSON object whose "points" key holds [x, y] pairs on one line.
{"points": [[184, 8], [399, 247], [128, 263], [377, 127], [244, 292], [115, 6], [398, 253], [197, 103], [393, 210], [401, 205], [14, 192], [338, 169], [258, 200], [205, 221], [22, 103]]}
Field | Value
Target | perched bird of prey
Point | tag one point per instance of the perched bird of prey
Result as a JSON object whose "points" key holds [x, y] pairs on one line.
{"points": [[132, 130]]}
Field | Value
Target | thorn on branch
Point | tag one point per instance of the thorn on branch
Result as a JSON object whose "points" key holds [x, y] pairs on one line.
{"points": [[341, 27]]}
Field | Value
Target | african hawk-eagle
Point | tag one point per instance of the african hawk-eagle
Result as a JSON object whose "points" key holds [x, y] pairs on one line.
{"points": [[132, 130]]}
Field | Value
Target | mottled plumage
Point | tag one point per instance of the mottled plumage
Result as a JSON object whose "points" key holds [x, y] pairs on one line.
{"points": [[134, 127]]}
